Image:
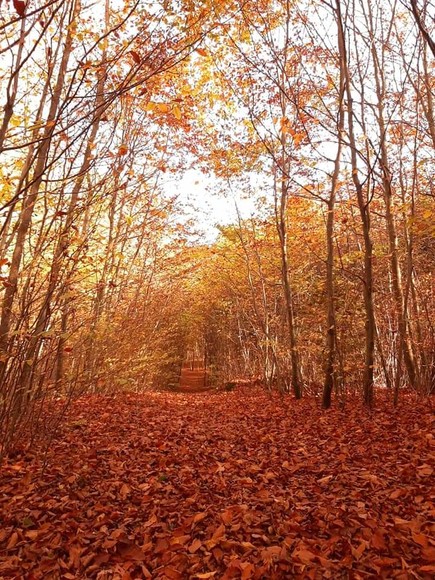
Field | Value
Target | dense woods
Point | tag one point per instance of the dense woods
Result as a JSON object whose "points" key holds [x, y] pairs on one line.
{"points": [[322, 113]]}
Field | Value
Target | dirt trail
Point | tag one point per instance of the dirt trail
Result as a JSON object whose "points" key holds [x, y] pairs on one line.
{"points": [[193, 381]]}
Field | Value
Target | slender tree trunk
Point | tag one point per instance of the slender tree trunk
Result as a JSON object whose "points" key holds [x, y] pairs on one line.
{"points": [[12, 87], [288, 294], [331, 323], [387, 189], [427, 99], [364, 209]]}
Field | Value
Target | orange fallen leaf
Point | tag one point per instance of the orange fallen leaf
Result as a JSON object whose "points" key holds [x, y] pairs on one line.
{"points": [[12, 542], [124, 491], [377, 540], [304, 556], [172, 573], [194, 546], [199, 517], [131, 552], [227, 516], [219, 532]]}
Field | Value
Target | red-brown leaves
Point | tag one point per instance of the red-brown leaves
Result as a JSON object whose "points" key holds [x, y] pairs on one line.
{"points": [[135, 56], [20, 7], [235, 485]]}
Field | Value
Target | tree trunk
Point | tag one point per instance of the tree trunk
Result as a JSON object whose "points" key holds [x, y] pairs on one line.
{"points": [[331, 324], [288, 294], [364, 209], [387, 189]]}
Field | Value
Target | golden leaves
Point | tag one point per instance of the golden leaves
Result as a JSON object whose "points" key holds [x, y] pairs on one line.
{"points": [[176, 111], [286, 128], [157, 107], [165, 108], [123, 149]]}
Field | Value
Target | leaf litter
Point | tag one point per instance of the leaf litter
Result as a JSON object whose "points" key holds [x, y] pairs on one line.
{"points": [[223, 485]]}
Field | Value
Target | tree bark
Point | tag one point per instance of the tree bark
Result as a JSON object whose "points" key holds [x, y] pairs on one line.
{"points": [[331, 323], [364, 209]]}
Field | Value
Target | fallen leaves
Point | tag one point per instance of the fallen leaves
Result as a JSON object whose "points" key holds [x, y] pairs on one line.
{"points": [[131, 552], [231, 485], [194, 547]]}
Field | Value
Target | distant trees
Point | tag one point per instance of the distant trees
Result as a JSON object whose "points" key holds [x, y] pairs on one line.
{"points": [[343, 119]]}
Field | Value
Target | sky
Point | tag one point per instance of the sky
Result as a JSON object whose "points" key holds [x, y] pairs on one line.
{"points": [[197, 193]]}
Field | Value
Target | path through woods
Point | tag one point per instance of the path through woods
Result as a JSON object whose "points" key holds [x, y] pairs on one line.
{"points": [[193, 381], [223, 485]]}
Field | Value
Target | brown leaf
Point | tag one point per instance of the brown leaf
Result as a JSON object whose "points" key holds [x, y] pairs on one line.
{"points": [[136, 56], [124, 491], [420, 539], [304, 556], [248, 570], [227, 516], [12, 542], [218, 533], [325, 479], [20, 7], [424, 470], [181, 539], [161, 546], [271, 553], [377, 540], [199, 517], [358, 552], [428, 554], [194, 546], [172, 574], [131, 552]]}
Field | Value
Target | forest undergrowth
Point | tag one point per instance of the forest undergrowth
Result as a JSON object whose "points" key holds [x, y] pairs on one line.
{"points": [[223, 485]]}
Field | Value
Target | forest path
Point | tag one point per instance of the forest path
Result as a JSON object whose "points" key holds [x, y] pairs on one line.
{"points": [[233, 485], [193, 381]]}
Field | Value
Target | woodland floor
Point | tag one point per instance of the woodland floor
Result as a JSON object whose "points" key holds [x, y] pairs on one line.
{"points": [[223, 485]]}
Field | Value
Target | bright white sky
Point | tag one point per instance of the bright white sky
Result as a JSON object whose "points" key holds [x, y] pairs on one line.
{"points": [[206, 208]]}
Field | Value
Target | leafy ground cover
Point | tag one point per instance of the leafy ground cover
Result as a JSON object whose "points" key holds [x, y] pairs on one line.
{"points": [[227, 485]]}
